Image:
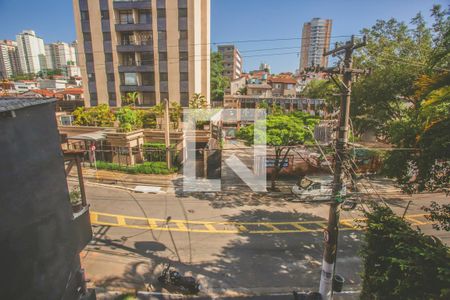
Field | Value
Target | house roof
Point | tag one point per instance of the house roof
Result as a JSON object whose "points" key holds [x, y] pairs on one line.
{"points": [[9, 104], [283, 80], [45, 93], [72, 91]]}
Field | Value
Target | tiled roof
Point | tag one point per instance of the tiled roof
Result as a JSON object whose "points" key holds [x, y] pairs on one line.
{"points": [[283, 80], [45, 93], [8, 104], [74, 91]]}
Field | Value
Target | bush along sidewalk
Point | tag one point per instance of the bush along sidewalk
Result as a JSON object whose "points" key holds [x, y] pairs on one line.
{"points": [[144, 168]]}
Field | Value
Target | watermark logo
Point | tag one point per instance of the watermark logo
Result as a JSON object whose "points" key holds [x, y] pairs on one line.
{"points": [[217, 121]]}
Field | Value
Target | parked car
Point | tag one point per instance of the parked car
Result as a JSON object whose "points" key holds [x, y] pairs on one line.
{"points": [[308, 189]]}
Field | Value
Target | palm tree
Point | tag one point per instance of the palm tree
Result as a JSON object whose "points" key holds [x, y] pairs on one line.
{"points": [[130, 98], [198, 101]]}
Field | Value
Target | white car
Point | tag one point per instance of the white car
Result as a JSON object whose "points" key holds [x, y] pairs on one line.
{"points": [[310, 190]]}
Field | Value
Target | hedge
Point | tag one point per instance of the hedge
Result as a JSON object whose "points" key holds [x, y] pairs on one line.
{"points": [[144, 168]]}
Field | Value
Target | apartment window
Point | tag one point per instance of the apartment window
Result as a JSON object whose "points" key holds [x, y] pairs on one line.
{"points": [[148, 78], [84, 15], [148, 99], [91, 77], [128, 59], [127, 38], [164, 96], [182, 12], [144, 17], [93, 97], [161, 12], [184, 76], [112, 98], [126, 17], [110, 77], [184, 55], [145, 37], [184, 99], [163, 56], [108, 57], [107, 36], [162, 35], [87, 36], [130, 78], [89, 57], [183, 35], [147, 58], [105, 15], [163, 76]]}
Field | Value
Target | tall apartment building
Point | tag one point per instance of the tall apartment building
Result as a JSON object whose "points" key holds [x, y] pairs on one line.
{"points": [[315, 39], [9, 59], [158, 48], [59, 55], [232, 61], [31, 52]]}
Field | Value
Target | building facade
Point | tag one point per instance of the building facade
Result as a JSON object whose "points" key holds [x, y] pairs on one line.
{"points": [[59, 55], [159, 49], [31, 52], [232, 61], [9, 59], [315, 40]]}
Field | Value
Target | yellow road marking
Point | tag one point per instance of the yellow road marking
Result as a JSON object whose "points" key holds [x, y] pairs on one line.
{"points": [[97, 218]]}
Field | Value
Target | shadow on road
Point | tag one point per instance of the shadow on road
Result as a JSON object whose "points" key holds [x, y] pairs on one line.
{"points": [[252, 261]]}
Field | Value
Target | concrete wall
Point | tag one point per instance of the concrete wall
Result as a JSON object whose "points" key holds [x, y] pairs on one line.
{"points": [[38, 249]]}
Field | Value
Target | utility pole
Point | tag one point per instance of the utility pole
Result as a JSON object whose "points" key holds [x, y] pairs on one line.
{"points": [[167, 133], [332, 231]]}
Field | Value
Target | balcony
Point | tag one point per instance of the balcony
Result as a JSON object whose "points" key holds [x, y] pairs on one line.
{"points": [[133, 27], [130, 4], [135, 46], [137, 88]]}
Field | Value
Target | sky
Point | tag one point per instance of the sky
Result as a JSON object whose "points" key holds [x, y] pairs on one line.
{"points": [[237, 21]]}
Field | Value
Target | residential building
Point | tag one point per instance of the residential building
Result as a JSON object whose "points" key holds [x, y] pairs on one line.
{"points": [[9, 59], [158, 48], [232, 61], [42, 233], [59, 55], [283, 86], [52, 84], [315, 40], [237, 85], [31, 52]]}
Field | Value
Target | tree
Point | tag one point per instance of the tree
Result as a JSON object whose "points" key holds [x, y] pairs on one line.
{"points": [[129, 119], [175, 113], [218, 82], [282, 132], [400, 262], [101, 116], [130, 98], [198, 101], [323, 89]]}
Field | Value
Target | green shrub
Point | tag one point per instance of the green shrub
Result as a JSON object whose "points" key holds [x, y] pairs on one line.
{"points": [[400, 262], [144, 168]]}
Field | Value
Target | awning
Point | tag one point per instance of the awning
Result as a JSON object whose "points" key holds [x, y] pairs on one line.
{"points": [[91, 136]]}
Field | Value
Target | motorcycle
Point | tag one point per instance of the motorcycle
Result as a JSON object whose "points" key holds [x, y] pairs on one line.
{"points": [[174, 278]]}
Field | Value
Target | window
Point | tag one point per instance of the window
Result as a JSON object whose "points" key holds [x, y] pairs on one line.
{"points": [[127, 38], [108, 57], [183, 34], [184, 99], [145, 37], [128, 59], [110, 77], [162, 35], [182, 12], [164, 96], [126, 17], [147, 58], [161, 12], [144, 17], [162, 56], [93, 97], [107, 36], [89, 57], [148, 98], [87, 36], [91, 77], [130, 78], [163, 76], [105, 15], [184, 76], [112, 96], [183, 56], [148, 78], [84, 15]]}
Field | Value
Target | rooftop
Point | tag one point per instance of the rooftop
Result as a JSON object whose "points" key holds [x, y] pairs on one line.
{"points": [[9, 104]]}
